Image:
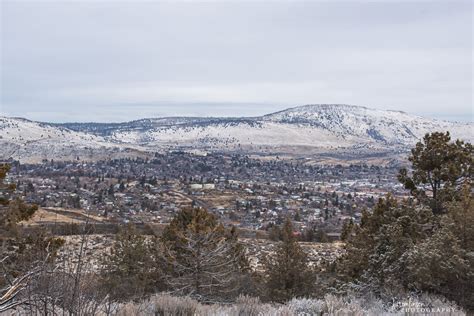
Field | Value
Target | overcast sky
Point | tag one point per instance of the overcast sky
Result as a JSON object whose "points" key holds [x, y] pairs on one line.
{"points": [[115, 61]]}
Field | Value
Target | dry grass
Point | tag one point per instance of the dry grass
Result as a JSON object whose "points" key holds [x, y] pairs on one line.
{"points": [[61, 215], [167, 305]]}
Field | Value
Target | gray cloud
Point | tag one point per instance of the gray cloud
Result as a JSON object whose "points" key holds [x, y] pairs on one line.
{"points": [[109, 61]]}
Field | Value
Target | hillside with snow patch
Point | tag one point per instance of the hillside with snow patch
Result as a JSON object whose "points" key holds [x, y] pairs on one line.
{"points": [[326, 127], [30, 141], [322, 126]]}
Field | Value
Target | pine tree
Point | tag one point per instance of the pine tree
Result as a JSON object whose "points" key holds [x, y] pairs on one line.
{"points": [[288, 274], [20, 250], [462, 214], [347, 228], [127, 270], [439, 264], [203, 259], [403, 227], [375, 246], [424, 244], [443, 263], [439, 167], [12, 210]]}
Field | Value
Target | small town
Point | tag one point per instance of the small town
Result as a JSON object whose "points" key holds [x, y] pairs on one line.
{"points": [[236, 158], [248, 193]]}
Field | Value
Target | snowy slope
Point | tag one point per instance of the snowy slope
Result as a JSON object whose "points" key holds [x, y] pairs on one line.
{"points": [[32, 141], [323, 126], [311, 125], [365, 124]]}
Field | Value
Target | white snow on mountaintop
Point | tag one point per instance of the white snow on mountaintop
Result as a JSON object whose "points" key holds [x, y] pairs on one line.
{"points": [[311, 125], [390, 127], [324, 126], [26, 140], [22, 131]]}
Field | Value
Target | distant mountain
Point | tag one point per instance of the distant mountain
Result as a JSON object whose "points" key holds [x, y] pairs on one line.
{"points": [[310, 125], [26, 140], [368, 125], [322, 126]]}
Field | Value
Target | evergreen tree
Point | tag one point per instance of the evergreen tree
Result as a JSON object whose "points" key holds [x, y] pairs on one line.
{"points": [[443, 263], [424, 244], [439, 167], [203, 259], [12, 210], [287, 272], [121, 187], [439, 264], [20, 250], [127, 270], [402, 227], [275, 233], [111, 190], [374, 247], [347, 228]]}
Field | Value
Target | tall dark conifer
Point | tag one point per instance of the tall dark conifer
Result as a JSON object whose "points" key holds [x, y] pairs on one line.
{"points": [[288, 274]]}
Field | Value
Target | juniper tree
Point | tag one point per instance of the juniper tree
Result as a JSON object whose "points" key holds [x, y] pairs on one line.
{"points": [[22, 252], [347, 229], [424, 244], [127, 270], [439, 168], [443, 263], [375, 245], [12, 210], [203, 259], [287, 271]]}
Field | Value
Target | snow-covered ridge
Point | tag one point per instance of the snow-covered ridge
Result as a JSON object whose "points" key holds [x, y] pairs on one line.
{"points": [[26, 140], [22, 131], [382, 126], [325, 126]]}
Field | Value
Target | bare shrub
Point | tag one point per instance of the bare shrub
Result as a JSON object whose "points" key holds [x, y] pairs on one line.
{"points": [[133, 309], [339, 305], [305, 306], [246, 305], [166, 305]]}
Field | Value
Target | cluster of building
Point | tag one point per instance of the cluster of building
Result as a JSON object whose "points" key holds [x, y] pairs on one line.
{"points": [[250, 193]]}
